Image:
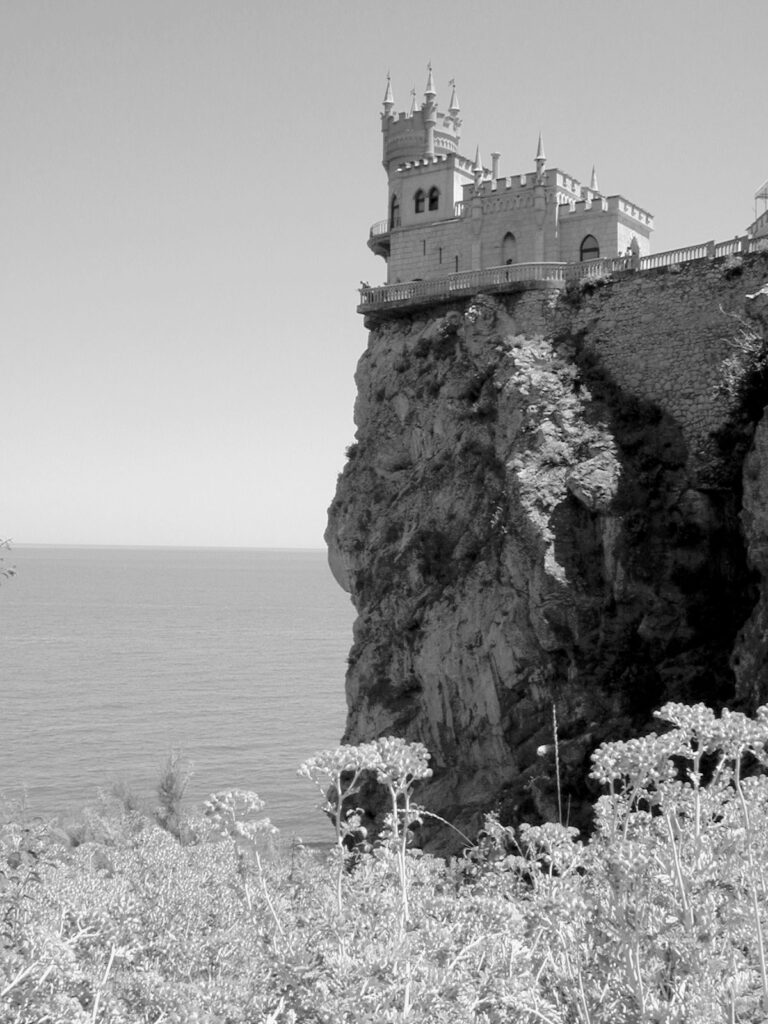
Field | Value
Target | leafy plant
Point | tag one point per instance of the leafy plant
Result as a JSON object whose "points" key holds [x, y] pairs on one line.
{"points": [[658, 918]]}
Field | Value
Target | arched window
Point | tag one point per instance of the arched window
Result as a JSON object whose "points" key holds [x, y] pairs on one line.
{"points": [[434, 197], [509, 248], [589, 250], [418, 201], [394, 213]]}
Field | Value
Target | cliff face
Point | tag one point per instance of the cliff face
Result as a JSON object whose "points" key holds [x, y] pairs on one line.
{"points": [[525, 532]]}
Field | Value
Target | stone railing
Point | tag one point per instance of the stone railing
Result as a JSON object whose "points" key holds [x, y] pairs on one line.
{"points": [[464, 283], [381, 227], [706, 250], [515, 276], [597, 268]]}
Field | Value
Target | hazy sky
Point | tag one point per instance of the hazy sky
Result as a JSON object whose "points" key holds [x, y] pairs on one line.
{"points": [[186, 188]]}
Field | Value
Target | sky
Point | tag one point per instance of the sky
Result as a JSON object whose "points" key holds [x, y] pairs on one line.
{"points": [[186, 188]]}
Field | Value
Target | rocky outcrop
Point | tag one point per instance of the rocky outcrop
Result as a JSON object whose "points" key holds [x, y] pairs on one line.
{"points": [[525, 538]]}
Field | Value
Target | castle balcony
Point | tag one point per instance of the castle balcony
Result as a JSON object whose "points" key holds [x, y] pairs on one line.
{"points": [[509, 278], [378, 237]]}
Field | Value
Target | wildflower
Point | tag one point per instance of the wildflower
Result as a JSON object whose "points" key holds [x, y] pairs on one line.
{"points": [[401, 763]]}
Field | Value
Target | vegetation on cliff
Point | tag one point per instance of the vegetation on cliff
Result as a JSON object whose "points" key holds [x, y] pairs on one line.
{"points": [[659, 917]]}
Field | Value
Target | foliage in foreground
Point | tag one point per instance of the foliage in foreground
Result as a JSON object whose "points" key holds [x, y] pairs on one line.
{"points": [[660, 917]]}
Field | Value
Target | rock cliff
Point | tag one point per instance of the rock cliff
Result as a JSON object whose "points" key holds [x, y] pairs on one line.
{"points": [[541, 520]]}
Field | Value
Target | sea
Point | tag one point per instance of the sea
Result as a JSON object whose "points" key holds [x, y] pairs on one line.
{"points": [[112, 659]]}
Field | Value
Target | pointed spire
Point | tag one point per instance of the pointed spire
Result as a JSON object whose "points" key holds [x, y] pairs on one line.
{"points": [[429, 92], [593, 183], [453, 108], [478, 166], [413, 102], [389, 99], [540, 150]]}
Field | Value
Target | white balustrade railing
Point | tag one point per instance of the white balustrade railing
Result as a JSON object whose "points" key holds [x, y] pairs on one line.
{"points": [[554, 274], [465, 282], [666, 259], [730, 248], [381, 227], [597, 268]]}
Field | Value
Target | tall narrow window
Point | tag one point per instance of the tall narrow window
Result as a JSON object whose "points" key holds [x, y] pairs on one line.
{"points": [[418, 202], [394, 213], [590, 250], [509, 248], [439, 255], [434, 197], [456, 263], [423, 247]]}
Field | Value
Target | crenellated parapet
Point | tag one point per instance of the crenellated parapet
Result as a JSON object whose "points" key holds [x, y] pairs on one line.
{"points": [[424, 132], [613, 205]]}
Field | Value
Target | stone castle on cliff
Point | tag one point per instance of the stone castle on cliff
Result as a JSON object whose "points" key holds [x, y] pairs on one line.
{"points": [[454, 227], [448, 213]]}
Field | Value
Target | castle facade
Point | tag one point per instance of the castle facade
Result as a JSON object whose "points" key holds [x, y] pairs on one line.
{"points": [[447, 213]]}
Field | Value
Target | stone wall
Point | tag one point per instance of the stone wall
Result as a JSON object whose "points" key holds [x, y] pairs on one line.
{"points": [[416, 251], [667, 337]]}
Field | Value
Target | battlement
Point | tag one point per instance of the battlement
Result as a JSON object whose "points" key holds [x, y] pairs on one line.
{"points": [[552, 179], [608, 204], [458, 162]]}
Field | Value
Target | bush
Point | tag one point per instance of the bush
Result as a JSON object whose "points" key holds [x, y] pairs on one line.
{"points": [[659, 917]]}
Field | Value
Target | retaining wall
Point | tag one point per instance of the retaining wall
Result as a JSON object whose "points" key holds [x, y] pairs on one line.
{"points": [[666, 336]]}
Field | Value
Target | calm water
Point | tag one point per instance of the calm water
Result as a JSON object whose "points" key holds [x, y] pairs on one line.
{"points": [[110, 657]]}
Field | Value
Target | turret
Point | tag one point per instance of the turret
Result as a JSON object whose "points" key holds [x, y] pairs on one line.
{"points": [[453, 107], [477, 168], [424, 132], [389, 100], [541, 161], [429, 108], [539, 202]]}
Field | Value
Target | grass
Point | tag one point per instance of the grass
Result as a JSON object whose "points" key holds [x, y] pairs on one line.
{"points": [[659, 916]]}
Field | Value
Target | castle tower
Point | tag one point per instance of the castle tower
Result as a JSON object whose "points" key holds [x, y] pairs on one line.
{"points": [[424, 132], [425, 172]]}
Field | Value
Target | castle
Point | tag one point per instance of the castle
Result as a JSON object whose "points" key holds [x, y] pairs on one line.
{"points": [[447, 213]]}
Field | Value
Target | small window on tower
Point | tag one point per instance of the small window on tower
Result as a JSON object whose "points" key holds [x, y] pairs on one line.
{"points": [[590, 249], [434, 198], [509, 248], [418, 202], [394, 213]]}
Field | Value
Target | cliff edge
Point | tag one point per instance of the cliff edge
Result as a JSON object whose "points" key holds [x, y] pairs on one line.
{"points": [[554, 512]]}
